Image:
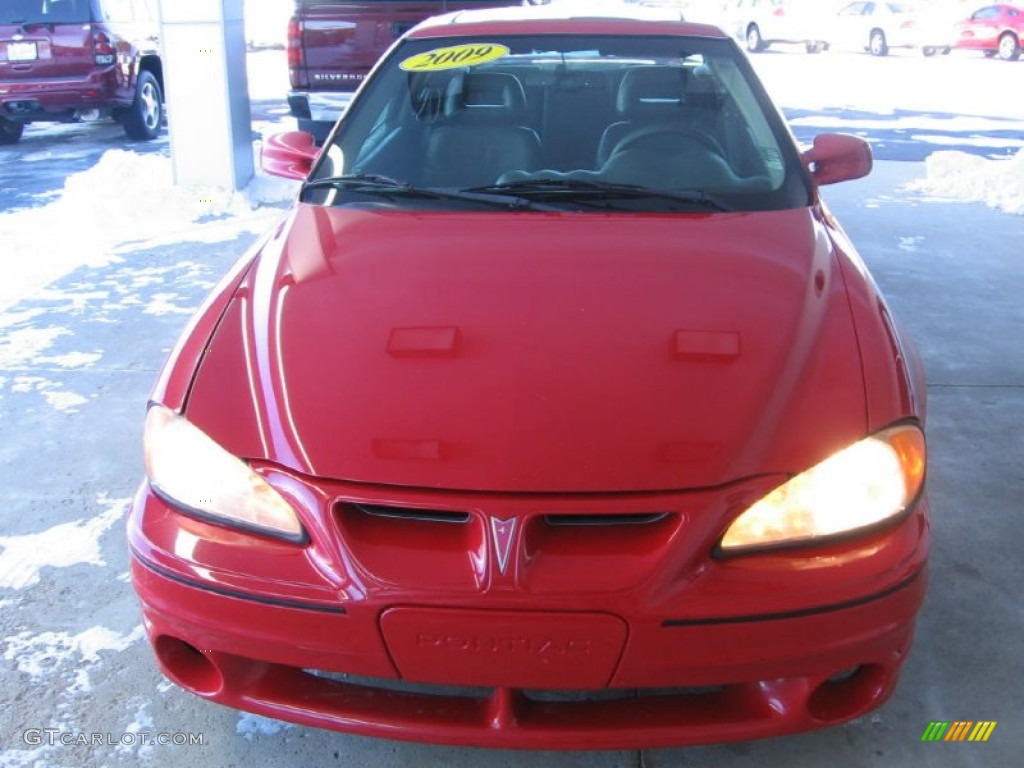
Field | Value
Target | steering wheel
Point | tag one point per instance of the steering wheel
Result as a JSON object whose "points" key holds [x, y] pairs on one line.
{"points": [[655, 133]]}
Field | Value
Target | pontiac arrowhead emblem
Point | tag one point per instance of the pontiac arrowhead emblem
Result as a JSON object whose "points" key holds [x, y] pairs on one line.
{"points": [[503, 532]]}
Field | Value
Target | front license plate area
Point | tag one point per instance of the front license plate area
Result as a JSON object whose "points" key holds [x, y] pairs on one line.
{"points": [[504, 648]]}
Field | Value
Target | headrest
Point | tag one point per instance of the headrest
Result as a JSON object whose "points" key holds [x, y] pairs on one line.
{"points": [[651, 91], [485, 95]]}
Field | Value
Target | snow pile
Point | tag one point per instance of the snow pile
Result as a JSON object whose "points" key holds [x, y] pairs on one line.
{"points": [[998, 183], [126, 202], [134, 196]]}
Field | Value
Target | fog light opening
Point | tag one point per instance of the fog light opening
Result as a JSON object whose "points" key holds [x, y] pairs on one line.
{"points": [[187, 666], [848, 693], [844, 674]]}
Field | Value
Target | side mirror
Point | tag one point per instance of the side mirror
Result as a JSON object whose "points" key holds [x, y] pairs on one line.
{"points": [[837, 157], [290, 155]]}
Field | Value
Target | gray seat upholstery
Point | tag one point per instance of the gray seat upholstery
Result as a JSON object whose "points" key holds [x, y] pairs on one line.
{"points": [[481, 134], [646, 96]]}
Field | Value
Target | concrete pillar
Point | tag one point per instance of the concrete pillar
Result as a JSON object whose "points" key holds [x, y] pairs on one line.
{"points": [[207, 92]]}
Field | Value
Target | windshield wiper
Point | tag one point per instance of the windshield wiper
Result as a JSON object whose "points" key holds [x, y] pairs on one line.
{"points": [[387, 186], [600, 190], [370, 180]]}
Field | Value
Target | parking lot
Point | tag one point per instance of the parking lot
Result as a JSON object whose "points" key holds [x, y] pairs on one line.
{"points": [[79, 355]]}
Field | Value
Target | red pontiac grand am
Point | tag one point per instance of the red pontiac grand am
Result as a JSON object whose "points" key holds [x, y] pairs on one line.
{"points": [[558, 413]]}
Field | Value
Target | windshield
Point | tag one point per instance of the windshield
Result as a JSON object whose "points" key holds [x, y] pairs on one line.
{"points": [[632, 123], [44, 11]]}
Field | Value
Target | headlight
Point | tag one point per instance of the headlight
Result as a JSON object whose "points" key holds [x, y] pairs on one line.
{"points": [[190, 470], [862, 485]]}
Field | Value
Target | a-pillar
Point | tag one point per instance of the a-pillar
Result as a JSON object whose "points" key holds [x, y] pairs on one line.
{"points": [[207, 92]]}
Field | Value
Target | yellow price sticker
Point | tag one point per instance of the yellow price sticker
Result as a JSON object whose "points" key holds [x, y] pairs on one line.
{"points": [[454, 56]]}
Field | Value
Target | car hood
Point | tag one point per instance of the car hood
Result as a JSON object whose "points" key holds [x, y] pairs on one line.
{"points": [[537, 352]]}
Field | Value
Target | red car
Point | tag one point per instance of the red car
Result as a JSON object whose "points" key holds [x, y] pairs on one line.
{"points": [[558, 413], [997, 30]]}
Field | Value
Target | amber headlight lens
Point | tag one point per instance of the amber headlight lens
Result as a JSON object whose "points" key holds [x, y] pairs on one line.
{"points": [[862, 485], [186, 467]]}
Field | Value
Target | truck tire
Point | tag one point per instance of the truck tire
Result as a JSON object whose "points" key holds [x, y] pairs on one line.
{"points": [[144, 118], [10, 131]]}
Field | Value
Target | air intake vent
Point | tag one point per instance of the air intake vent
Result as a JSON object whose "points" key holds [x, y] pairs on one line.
{"points": [[594, 520], [413, 515]]}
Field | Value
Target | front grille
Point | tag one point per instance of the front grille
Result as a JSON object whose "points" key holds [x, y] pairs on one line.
{"points": [[413, 515], [425, 549], [590, 520], [448, 543]]}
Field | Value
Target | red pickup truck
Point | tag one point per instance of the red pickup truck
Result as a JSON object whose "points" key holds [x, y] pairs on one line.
{"points": [[333, 44]]}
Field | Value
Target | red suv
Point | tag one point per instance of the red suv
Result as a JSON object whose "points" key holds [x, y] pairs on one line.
{"points": [[66, 60]]}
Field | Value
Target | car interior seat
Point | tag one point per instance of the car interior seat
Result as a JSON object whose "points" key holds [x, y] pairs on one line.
{"points": [[481, 134], [669, 132], [646, 96]]}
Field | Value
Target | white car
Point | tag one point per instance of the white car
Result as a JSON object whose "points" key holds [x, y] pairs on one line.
{"points": [[877, 27], [760, 23]]}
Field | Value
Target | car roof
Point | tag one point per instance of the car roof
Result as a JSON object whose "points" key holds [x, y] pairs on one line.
{"points": [[564, 18]]}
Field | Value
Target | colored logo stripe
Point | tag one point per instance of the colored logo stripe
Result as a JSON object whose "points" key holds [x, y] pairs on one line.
{"points": [[982, 730], [958, 730]]}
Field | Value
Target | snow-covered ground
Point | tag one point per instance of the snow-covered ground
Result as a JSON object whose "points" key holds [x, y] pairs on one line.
{"points": [[126, 202]]}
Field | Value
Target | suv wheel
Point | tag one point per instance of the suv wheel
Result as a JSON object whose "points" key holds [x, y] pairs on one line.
{"points": [[10, 131], [143, 119]]}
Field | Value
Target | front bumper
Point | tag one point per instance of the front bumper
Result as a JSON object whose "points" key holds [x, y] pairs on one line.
{"points": [[679, 650]]}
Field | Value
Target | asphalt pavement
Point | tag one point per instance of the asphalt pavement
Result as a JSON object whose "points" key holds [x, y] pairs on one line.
{"points": [[76, 366]]}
